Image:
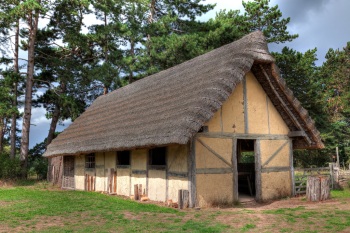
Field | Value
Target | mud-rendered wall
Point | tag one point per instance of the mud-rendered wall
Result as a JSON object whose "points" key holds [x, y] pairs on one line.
{"points": [[263, 117], [248, 111], [79, 172], [100, 162], [177, 159], [214, 179], [276, 180], [139, 169]]}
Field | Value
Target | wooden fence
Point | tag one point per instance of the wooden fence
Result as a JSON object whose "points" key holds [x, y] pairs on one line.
{"points": [[344, 178], [301, 174]]}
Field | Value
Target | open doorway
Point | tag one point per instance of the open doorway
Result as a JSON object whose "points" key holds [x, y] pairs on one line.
{"points": [[246, 169]]}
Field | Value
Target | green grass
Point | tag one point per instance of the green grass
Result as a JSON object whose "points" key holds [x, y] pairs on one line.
{"points": [[36, 207], [77, 211]]}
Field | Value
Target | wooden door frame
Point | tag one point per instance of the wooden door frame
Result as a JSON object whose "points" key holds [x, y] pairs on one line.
{"points": [[257, 165], [63, 171]]}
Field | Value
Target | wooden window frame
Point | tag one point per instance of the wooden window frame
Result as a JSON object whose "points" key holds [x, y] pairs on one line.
{"points": [[90, 161], [159, 164], [118, 161]]}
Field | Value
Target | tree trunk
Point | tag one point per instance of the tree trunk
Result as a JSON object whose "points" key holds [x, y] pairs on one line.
{"points": [[132, 53], [55, 162], [15, 93], [150, 21], [2, 125], [317, 188], [33, 27]]}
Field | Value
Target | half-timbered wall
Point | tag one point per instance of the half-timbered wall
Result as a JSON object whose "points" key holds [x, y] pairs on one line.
{"points": [[158, 184], [247, 114]]}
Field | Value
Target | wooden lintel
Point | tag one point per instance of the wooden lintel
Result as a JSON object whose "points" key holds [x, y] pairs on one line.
{"points": [[275, 169], [178, 174], [293, 134], [123, 166], [139, 172], [224, 170], [157, 167], [242, 136]]}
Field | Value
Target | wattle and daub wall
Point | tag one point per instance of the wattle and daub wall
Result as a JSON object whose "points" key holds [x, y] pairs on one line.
{"points": [[247, 114], [158, 183]]}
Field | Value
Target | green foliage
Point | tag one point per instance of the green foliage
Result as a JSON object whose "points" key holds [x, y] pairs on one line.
{"points": [[37, 164], [260, 16], [10, 168]]}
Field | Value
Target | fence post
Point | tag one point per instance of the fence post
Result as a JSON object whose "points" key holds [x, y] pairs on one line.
{"points": [[331, 174]]}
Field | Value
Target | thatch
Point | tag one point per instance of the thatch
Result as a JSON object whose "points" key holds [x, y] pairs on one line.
{"points": [[171, 106]]}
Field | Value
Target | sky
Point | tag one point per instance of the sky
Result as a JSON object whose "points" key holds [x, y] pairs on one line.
{"points": [[323, 24]]}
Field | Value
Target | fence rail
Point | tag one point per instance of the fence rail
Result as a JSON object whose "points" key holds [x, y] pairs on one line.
{"points": [[301, 174]]}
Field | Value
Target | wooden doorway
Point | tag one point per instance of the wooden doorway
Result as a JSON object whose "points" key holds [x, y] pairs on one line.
{"points": [[246, 169], [68, 172]]}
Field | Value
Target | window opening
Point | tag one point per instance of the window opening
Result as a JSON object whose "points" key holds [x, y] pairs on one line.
{"points": [[157, 156], [90, 161], [123, 158]]}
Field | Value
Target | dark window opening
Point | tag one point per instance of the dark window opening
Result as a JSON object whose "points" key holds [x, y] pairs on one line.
{"points": [[123, 157], [157, 156], [90, 161]]}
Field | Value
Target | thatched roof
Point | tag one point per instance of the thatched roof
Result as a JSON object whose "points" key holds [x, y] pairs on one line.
{"points": [[171, 106]]}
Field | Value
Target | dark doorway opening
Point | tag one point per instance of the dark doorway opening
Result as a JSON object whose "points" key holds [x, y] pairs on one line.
{"points": [[246, 167], [68, 172]]}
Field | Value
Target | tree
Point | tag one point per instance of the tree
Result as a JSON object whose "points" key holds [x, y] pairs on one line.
{"points": [[170, 26], [6, 107], [8, 23], [335, 78], [259, 16], [28, 11]]}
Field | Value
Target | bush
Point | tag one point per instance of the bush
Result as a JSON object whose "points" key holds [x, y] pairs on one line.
{"points": [[9, 168]]}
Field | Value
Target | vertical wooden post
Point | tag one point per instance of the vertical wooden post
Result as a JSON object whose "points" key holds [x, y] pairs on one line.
{"points": [[166, 175], [136, 192], [337, 152], [140, 190], [234, 170], [89, 182], [115, 181], [258, 194], [185, 198], [245, 105], [147, 171], [192, 173], [291, 167], [331, 174], [179, 199]]}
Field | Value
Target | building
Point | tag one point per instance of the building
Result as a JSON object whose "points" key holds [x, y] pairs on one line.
{"points": [[219, 125]]}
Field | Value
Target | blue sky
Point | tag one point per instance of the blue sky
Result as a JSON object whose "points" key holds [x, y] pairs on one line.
{"points": [[320, 23]]}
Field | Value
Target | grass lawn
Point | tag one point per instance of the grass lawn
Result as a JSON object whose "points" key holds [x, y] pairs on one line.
{"points": [[37, 207]]}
